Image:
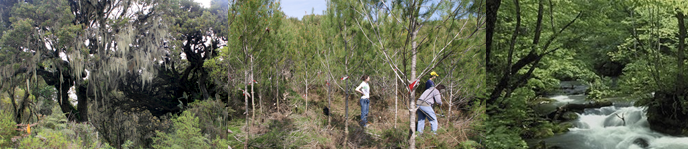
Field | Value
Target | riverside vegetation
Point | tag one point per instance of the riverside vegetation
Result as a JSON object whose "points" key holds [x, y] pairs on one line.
{"points": [[629, 50]]}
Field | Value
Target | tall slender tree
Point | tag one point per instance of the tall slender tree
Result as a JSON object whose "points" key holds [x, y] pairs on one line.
{"points": [[379, 14]]}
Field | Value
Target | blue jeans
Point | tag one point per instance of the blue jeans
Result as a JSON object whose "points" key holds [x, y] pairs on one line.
{"points": [[365, 103], [421, 119]]}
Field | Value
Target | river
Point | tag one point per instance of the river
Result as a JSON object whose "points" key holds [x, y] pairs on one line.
{"points": [[620, 126]]}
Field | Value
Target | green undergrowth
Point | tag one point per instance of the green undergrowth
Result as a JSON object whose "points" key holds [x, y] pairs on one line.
{"points": [[54, 131], [211, 124]]}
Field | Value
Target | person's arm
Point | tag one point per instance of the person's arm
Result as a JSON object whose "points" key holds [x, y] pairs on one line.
{"points": [[438, 97], [358, 89]]}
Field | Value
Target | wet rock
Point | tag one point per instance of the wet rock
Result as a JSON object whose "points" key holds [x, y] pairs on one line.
{"points": [[570, 116], [666, 114], [641, 142], [559, 113], [541, 145], [563, 127]]}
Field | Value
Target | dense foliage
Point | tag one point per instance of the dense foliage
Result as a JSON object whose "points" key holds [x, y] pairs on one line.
{"points": [[626, 49]]}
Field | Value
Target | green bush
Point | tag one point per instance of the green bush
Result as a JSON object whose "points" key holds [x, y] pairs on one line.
{"points": [[469, 144], [213, 116], [7, 126], [505, 126], [118, 126], [54, 131], [282, 134], [395, 138], [65, 138], [236, 126], [187, 134], [49, 139]]}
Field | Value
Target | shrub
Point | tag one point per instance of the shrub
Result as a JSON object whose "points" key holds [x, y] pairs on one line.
{"points": [[49, 139], [236, 126], [54, 131], [64, 138], [281, 135], [470, 144], [213, 116], [7, 126], [187, 134], [120, 125], [395, 138]]}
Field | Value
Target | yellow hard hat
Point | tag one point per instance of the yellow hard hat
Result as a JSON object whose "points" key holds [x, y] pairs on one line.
{"points": [[434, 74]]}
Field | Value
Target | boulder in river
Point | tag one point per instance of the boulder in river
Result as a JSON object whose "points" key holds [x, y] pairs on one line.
{"points": [[667, 113], [568, 116], [641, 142], [561, 111]]}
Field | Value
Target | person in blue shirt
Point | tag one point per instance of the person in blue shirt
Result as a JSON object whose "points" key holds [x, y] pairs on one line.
{"points": [[430, 84]]}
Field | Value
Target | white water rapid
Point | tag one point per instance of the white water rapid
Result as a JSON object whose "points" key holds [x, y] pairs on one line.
{"points": [[614, 127]]}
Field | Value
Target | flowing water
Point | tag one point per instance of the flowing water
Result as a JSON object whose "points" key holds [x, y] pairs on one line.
{"points": [[620, 126]]}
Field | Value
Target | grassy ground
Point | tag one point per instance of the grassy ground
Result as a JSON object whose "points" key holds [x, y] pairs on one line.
{"points": [[290, 127], [294, 127]]}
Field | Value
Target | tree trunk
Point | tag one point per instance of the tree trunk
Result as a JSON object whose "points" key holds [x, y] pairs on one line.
{"points": [[229, 95], [253, 103], [246, 109], [60, 90], [11, 92], [451, 99], [82, 104], [22, 105], [504, 81], [414, 56], [329, 103], [27, 96], [260, 101], [278, 98], [66, 106], [306, 90], [412, 122], [681, 45], [412, 102], [396, 99], [202, 85], [346, 117], [229, 91], [492, 7]]}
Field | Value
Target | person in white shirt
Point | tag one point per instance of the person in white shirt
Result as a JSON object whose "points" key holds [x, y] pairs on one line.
{"points": [[364, 89]]}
